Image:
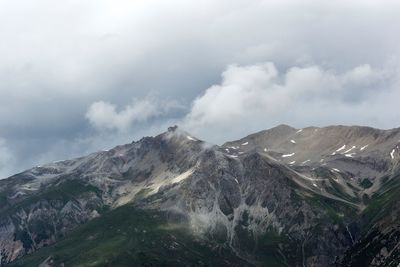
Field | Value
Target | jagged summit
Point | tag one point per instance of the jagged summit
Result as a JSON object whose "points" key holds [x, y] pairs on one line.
{"points": [[172, 128]]}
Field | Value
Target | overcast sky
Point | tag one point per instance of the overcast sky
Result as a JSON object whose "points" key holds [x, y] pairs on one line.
{"points": [[80, 76]]}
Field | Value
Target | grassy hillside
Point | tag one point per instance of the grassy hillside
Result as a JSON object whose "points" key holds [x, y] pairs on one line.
{"points": [[131, 237]]}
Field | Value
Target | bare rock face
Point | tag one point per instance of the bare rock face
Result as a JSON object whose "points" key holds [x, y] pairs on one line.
{"points": [[360, 151], [297, 197]]}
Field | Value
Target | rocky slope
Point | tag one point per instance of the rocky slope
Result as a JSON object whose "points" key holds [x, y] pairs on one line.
{"points": [[280, 197]]}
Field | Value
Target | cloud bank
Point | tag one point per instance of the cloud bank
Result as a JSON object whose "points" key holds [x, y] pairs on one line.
{"points": [[75, 74], [104, 116], [254, 97]]}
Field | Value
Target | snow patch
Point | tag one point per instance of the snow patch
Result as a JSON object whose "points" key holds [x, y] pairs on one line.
{"points": [[293, 162], [304, 162], [288, 155], [292, 141], [341, 148], [350, 149], [265, 149], [314, 184], [191, 138], [336, 170], [245, 144], [236, 180], [299, 131], [364, 147], [392, 154], [349, 155]]}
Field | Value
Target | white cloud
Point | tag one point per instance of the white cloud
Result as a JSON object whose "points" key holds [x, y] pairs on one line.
{"points": [[257, 97], [105, 116]]}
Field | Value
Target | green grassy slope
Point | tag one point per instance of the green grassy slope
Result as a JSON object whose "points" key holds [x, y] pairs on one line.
{"points": [[131, 237], [380, 229]]}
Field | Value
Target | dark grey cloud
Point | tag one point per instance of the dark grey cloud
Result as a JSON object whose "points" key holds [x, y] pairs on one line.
{"points": [[59, 60]]}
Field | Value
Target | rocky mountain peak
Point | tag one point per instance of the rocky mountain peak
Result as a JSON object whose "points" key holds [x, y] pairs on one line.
{"points": [[172, 128], [296, 195]]}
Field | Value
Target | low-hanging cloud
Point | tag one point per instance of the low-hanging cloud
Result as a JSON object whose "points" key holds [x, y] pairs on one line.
{"points": [[105, 116], [256, 97]]}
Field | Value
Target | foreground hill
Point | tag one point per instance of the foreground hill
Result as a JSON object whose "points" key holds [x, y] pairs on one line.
{"points": [[280, 197]]}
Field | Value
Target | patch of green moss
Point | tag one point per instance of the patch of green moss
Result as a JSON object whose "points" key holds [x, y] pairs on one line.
{"points": [[268, 248], [383, 201], [339, 191], [63, 192], [366, 183], [335, 211]]}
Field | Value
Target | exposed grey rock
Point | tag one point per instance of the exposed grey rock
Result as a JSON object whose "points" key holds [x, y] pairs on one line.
{"points": [[308, 186]]}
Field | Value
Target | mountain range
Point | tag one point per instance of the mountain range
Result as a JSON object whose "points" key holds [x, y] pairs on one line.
{"points": [[314, 196]]}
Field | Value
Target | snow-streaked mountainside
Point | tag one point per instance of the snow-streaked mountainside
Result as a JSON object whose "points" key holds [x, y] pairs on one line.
{"points": [[281, 197]]}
